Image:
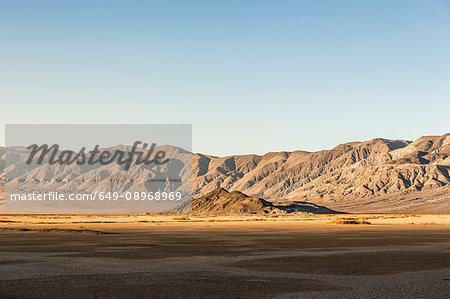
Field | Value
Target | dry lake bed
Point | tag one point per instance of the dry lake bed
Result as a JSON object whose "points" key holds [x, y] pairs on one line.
{"points": [[308, 256]]}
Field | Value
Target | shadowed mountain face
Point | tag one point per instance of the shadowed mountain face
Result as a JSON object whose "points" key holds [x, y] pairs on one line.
{"points": [[377, 175], [374, 176]]}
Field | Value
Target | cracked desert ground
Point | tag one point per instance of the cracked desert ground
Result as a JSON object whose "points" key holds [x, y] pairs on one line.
{"points": [[307, 256]]}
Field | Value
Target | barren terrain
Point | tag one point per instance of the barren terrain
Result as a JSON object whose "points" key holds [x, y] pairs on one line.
{"points": [[311, 256]]}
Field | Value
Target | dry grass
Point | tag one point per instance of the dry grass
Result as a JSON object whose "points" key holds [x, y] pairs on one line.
{"points": [[351, 221], [183, 218]]}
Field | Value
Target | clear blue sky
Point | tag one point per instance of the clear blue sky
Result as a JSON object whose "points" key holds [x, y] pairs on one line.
{"points": [[251, 76]]}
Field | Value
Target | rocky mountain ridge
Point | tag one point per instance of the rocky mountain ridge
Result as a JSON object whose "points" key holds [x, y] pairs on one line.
{"points": [[355, 173], [375, 175]]}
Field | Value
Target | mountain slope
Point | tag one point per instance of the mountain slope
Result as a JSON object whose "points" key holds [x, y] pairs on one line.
{"points": [[347, 173], [377, 175]]}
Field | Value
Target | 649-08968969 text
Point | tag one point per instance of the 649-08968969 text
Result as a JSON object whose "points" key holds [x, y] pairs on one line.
{"points": [[102, 196]]}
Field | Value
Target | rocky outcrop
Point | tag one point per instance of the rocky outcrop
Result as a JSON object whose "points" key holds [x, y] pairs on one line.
{"points": [[223, 203]]}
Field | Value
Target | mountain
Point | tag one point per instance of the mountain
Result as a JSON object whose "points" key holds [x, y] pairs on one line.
{"points": [[222, 202], [379, 175], [102, 179], [2, 174]]}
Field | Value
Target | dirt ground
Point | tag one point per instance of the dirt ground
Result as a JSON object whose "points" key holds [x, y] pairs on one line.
{"points": [[309, 256]]}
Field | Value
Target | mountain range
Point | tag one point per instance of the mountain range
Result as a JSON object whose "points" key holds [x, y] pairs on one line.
{"points": [[380, 175]]}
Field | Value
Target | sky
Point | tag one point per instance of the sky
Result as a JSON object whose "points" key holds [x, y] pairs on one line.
{"points": [[250, 76]]}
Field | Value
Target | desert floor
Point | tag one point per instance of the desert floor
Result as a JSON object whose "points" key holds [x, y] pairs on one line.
{"points": [[306, 256]]}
